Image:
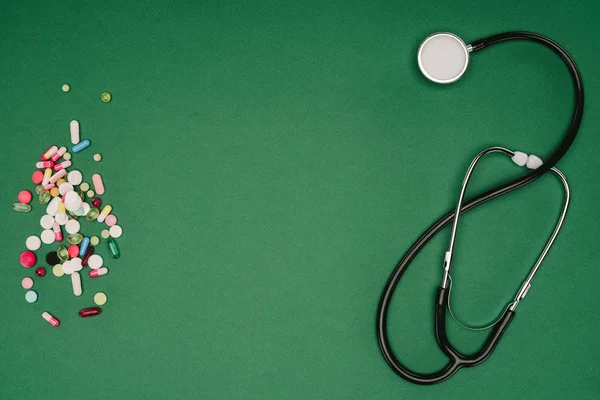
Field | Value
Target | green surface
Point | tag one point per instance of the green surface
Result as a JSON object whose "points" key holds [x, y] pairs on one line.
{"points": [[270, 162]]}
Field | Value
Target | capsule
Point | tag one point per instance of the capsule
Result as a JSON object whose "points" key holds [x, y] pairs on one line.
{"points": [[114, 249], [76, 283], [57, 232], [39, 189], [51, 320], [86, 256], [48, 153], [44, 164], [63, 253], [44, 197], [84, 246], [47, 176], [90, 312], [20, 207], [94, 273], [62, 165], [75, 238], [56, 156], [98, 183], [84, 144], [105, 212], [54, 178], [74, 127], [92, 215]]}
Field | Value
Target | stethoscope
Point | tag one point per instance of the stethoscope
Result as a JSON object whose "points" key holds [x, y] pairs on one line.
{"points": [[443, 58]]}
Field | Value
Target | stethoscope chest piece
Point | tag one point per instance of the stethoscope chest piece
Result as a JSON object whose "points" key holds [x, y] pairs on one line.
{"points": [[443, 57]]}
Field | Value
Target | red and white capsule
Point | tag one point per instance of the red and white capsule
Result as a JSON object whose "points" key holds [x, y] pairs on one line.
{"points": [[62, 165], [44, 164], [57, 232], [56, 156], [51, 320], [48, 153], [54, 178], [98, 272]]}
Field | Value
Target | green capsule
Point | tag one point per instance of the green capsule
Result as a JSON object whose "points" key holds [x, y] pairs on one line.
{"points": [[63, 253], [71, 215], [39, 189], [114, 249], [81, 194], [20, 207], [75, 238], [45, 197], [92, 214]]}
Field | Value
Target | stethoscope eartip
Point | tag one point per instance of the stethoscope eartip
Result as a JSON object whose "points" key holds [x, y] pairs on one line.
{"points": [[443, 57]]}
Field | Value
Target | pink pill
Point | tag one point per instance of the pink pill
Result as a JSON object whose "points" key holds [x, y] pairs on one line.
{"points": [[24, 197], [98, 184], [27, 283], [111, 220], [27, 259], [73, 250], [37, 177]]}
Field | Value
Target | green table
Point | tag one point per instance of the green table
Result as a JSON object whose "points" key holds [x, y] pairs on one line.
{"points": [[270, 162]]}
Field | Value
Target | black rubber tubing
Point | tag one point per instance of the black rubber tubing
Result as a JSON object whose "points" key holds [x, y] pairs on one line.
{"points": [[458, 360]]}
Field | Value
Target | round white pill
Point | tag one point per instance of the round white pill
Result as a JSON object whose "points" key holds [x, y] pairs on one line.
{"points": [[61, 218], [75, 177], [65, 188], [72, 226], [95, 261], [66, 267], [116, 231], [86, 208], [47, 221], [33, 243], [52, 208], [76, 264], [72, 201], [47, 236]]}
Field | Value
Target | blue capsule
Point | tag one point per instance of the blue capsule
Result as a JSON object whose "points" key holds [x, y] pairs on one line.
{"points": [[84, 144], [84, 246]]}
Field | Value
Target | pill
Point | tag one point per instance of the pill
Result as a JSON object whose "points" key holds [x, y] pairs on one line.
{"points": [[54, 192], [65, 88], [98, 272], [116, 231], [49, 186], [48, 153], [76, 283], [65, 188], [97, 157], [72, 201], [44, 197], [27, 283], [27, 259], [95, 261], [100, 298], [61, 218], [105, 212], [94, 240], [84, 186], [41, 271], [75, 238], [67, 156], [51, 320], [47, 176], [54, 178], [105, 97], [31, 296], [56, 156], [67, 268], [92, 215], [20, 207], [84, 144], [57, 232], [96, 202], [114, 249], [83, 246], [86, 256], [57, 270], [60, 182], [47, 236], [76, 264], [105, 234], [90, 193], [111, 220], [72, 226], [61, 208], [52, 258], [89, 312], [98, 184], [52, 208], [75, 177], [63, 253], [37, 177], [73, 251], [62, 165], [85, 209], [47, 222], [74, 128], [33, 243], [44, 164]]}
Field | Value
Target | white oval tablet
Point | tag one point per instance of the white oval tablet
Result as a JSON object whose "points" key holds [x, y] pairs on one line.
{"points": [[95, 261], [47, 221], [75, 177], [72, 226], [47, 236], [52, 208], [33, 243], [74, 128], [65, 188], [66, 267], [116, 231], [443, 57], [76, 264], [76, 282]]}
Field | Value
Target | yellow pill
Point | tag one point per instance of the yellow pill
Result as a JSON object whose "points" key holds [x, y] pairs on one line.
{"points": [[105, 212], [90, 193], [94, 240], [84, 186], [57, 270], [65, 88], [97, 157], [61, 208], [60, 182], [105, 233], [48, 173], [100, 298], [67, 156], [54, 192]]}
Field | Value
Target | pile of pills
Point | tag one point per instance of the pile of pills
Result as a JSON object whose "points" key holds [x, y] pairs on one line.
{"points": [[68, 200]]}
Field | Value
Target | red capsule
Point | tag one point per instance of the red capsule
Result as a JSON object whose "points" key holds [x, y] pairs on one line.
{"points": [[86, 256], [90, 312], [98, 272]]}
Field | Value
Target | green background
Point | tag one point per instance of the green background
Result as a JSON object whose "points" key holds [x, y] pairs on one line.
{"points": [[270, 162]]}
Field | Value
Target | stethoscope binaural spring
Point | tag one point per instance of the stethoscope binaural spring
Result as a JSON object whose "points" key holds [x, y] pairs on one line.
{"points": [[444, 58]]}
